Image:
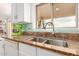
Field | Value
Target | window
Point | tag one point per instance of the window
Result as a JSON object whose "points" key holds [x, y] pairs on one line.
{"points": [[64, 15], [65, 22], [61, 14]]}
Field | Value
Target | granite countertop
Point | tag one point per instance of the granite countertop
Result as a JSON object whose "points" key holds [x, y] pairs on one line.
{"points": [[71, 50]]}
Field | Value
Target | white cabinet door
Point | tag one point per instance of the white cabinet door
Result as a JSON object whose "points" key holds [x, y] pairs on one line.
{"points": [[43, 52], [27, 50], [18, 12], [14, 13], [21, 12], [11, 48], [27, 12], [1, 47]]}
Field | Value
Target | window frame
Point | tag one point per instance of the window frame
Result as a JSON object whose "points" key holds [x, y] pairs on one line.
{"points": [[76, 14]]}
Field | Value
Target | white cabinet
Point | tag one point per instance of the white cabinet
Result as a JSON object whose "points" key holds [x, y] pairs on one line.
{"points": [[21, 12], [11, 48], [18, 12], [26, 50], [27, 12], [43, 52], [14, 12], [1, 47]]}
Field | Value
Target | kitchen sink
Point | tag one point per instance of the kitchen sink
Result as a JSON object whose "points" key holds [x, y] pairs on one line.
{"points": [[41, 40], [57, 43]]}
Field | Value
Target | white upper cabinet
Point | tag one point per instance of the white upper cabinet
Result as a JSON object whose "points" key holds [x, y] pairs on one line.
{"points": [[27, 12], [21, 12], [18, 12]]}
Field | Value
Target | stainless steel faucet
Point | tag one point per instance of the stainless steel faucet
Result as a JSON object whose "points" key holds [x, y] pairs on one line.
{"points": [[52, 27], [52, 24]]}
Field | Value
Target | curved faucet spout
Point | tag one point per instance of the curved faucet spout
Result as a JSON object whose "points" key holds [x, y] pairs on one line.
{"points": [[51, 23]]}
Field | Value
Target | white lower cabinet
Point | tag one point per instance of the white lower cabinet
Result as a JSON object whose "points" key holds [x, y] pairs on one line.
{"points": [[11, 48], [26, 50], [1, 50], [44, 52], [1, 47], [22, 54]]}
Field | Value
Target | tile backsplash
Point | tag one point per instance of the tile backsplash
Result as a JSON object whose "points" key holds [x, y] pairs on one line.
{"points": [[29, 27], [59, 30]]}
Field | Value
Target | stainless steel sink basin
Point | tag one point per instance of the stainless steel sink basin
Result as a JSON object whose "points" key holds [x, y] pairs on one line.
{"points": [[41, 40], [57, 43]]}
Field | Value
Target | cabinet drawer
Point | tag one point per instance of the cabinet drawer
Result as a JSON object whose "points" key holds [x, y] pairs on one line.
{"points": [[27, 49]]}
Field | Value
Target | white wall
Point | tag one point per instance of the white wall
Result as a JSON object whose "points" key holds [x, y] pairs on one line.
{"points": [[33, 15]]}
